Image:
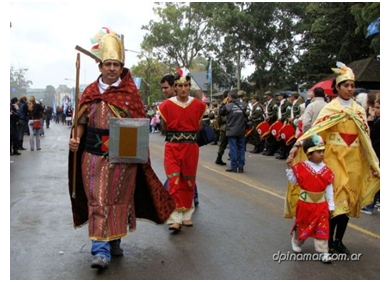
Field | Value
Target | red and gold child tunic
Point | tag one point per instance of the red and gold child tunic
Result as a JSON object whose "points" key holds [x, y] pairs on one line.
{"points": [[182, 121], [312, 213]]}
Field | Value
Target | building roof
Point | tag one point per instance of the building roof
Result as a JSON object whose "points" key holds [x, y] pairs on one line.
{"points": [[201, 80], [366, 70]]}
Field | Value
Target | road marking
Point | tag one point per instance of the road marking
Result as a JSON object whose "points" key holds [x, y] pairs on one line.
{"points": [[265, 190]]}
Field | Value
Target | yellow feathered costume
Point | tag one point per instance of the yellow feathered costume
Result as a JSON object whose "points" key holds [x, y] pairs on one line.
{"points": [[348, 153]]}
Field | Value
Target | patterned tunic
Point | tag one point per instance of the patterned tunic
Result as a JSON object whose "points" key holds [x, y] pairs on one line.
{"points": [[112, 195], [109, 187]]}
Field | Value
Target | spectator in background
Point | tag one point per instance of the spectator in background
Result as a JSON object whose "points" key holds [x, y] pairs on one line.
{"points": [[234, 111], [313, 109], [35, 111], [153, 123], [373, 120], [22, 125], [14, 120], [43, 118], [48, 115], [58, 114], [68, 114], [310, 96], [158, 122]]}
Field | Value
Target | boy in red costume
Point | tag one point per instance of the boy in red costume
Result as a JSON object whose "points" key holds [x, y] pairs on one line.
{"points": [[315, 198]]}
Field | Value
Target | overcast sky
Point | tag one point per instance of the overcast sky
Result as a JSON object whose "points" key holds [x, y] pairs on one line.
{"points": [[44, 35]]}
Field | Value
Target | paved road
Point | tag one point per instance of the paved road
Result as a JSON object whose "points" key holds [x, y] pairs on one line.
{"points": [[239, 230]]}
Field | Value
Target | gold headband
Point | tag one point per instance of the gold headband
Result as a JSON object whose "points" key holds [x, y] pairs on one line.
{"points": [[345, 73], [319, 147], [182, 79]]}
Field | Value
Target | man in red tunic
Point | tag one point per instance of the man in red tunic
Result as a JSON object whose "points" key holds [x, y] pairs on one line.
{"points": [[181, 120]]}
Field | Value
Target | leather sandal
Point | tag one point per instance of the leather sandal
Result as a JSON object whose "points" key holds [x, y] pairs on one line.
{"points": [[175, 226], [188, 223]]}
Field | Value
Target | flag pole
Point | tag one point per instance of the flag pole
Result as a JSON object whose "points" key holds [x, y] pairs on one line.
{"points": [[75, 123], [211, 80]]}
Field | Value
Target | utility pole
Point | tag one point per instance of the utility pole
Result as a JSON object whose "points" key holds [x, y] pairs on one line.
{"points": [[239, 68]]}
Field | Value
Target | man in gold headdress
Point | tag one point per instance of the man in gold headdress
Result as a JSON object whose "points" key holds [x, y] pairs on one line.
{"points": [[111, 195]]}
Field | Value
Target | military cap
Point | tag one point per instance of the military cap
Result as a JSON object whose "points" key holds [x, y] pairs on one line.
{"points": [[255, 97], [268, 93], [280, 93], [285, 94], [295, 94], [241, 93]]}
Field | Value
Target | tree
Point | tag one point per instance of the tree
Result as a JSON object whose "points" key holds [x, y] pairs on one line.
{"points": [[332, 35], [153, 70], [18, 82], [365, 13], [260, 33], [49, 93], [180, 35]]}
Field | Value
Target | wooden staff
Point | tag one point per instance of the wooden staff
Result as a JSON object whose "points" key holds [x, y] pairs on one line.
{"points": [[75, 122]]}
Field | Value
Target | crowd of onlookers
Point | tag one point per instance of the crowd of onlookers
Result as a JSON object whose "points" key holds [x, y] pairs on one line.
{"points": [[23, 113]]}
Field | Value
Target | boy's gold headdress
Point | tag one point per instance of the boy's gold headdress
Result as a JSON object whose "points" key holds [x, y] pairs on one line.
{"points": [[319, 144], [344, 73]]}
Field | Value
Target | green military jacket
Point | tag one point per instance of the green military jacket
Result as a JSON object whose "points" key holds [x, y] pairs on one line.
{"points": [[221, 121], [295, 110], [257, 113], [283, 109], [272, 111]]}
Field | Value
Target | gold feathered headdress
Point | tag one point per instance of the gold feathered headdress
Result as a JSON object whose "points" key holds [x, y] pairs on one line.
{"points": [[108, 45], [319, 144], [344, 73], [181, 75]]}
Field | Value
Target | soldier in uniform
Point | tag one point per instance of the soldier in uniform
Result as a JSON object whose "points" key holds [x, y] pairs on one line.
{"points": [[284, 104], [256, 115], [292, 115], [222, 133], [271, 115], [213, 115], [294, 112]]}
